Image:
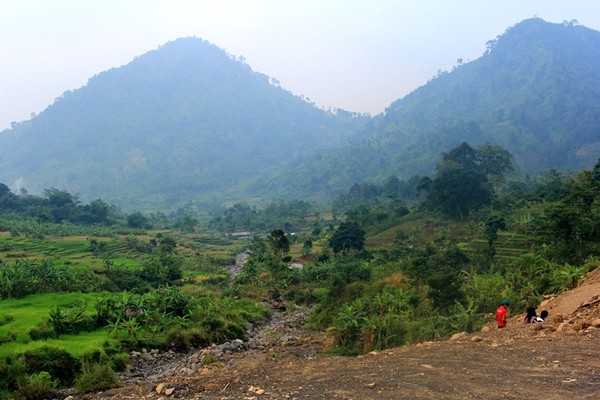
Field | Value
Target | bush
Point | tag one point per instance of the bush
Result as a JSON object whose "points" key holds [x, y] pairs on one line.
{"points": [[10, 337], [73, 318], [59, 363], [97, 377], [179, 339], [119, 361], [37, 386], [12, 372], [199, 337], [41, 332]]}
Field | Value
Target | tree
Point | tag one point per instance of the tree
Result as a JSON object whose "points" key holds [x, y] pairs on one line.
{"points": [[571, 224], [493, 223], [494, 159], [279, 242], [188, 224], [462, 184], [99, 209], [137, 220], [62, 202], [596, 171], [348, 236], [307, 247], [457, 191]]}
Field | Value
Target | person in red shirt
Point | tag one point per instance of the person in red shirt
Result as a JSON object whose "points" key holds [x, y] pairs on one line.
{"points": [[502, 313]]}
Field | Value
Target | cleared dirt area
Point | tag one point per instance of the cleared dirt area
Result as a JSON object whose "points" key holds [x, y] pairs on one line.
{"points": [[557, 359]]}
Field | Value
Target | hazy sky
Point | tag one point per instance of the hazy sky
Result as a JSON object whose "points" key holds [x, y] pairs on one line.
{"points": [[359, 55]]}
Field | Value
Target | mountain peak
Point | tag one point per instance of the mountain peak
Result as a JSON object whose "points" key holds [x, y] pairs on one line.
{"points": [[177, 122]]}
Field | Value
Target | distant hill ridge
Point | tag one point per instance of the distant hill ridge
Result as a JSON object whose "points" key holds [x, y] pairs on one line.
{"points": [[536, 92], [187, 123], [186, 118]]}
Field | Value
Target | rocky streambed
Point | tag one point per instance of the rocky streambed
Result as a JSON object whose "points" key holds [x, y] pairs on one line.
{"points": [[283, 333]]}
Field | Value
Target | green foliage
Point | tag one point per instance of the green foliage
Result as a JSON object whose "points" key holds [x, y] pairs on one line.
{"points": [[19, 224], [72, 319], [12, 374], [119, 361], [493, 223], [484, 291], [161, 270], [439, 267], [224, 111], [461, 184], [570, 224], [96, 377], [373, 322], [279, 242], [224, 319], [25, 277], [58, 363], [37, 386], [137, 220], [58, 206], [289, 215], [138, 245], [348, 236], [371, 202], [466, 318]]}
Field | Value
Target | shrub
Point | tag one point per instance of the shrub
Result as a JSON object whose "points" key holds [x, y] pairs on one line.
{"points": [[59, 363], [119, 361], [179, 339], [73, 318], [199, 337], [96, 377], [41, 332], [37, 386], [12, 372]]}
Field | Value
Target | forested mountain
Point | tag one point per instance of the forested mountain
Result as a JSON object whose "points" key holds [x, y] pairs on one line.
{"points": [[183, 120], [535, 91], [188, 122]]}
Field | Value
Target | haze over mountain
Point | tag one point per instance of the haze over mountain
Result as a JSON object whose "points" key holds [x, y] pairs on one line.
{"points": [[188, 122], [536, 92], [181, 120]]}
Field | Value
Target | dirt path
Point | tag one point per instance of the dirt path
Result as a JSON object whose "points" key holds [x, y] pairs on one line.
{"points": [[554, 360]]}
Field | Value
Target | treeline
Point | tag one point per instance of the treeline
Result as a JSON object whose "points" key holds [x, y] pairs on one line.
{"points": [[61, 207], [287, 215], [391, 194], [58, 206]]}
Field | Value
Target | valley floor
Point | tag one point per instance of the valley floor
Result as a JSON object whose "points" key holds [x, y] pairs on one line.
{"points": [[557, 359]]}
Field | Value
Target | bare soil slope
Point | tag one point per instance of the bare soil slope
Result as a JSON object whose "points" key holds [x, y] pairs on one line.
{"points": [[557, 359]]}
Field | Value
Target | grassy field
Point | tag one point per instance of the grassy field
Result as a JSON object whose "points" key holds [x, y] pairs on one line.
{"points": [[19, 316]]}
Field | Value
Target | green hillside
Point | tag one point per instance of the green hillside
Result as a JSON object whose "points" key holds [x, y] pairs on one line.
{"points": [[188, 124], [184, 121], [535, 92]]}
